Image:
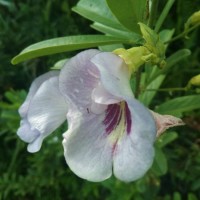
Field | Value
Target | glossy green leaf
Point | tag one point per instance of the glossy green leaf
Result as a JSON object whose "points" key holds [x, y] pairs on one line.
{"points": [[64, 44], [117, 32], [97, 11], [129, 12], [179, 105]]}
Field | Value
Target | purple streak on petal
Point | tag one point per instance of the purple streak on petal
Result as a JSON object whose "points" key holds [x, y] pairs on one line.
{"points": [[115, 122], [110, 112], [114, 148], [128, 119], [113, 117]]}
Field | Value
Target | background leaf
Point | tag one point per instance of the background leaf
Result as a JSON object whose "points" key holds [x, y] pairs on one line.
{"points": [[132, 12], [63, 44], [117, 32], [179, 105], [159, 166], [97, 11]]}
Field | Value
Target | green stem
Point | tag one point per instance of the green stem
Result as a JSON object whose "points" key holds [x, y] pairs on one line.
{"points": [[138, 79], [164, 14], [183, 33], [152, 13], [14, 158], [168, 89]]}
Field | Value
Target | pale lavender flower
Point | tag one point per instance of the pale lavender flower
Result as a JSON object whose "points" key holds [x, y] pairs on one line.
{"points": [[109, 130]]}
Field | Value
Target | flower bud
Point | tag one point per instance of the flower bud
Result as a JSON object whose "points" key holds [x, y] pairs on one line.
{"points": [[193, 20], [154, 45], [133, 57], [194, 81]]}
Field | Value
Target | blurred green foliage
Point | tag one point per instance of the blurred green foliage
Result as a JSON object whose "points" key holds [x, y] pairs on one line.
{"points": [[175, 174]]}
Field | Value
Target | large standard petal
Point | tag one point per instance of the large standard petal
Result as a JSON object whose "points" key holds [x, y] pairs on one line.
{"points": [[114, 74], [33, 89], [86, 148], [78, 78], [47, 111], [134, 151], [80, 83]]}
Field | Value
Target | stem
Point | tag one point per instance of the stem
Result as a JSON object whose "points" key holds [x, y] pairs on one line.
{"points": [[164, 14], [153, 12], [168, 89], [182, 34], [14, 157], [137, 84]]}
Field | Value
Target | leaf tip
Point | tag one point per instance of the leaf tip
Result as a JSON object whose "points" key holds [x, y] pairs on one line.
{"points": [[14, 61]]}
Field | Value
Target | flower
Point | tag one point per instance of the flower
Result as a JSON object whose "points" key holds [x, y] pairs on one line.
{"points": [[42, 112], [109, 130]]}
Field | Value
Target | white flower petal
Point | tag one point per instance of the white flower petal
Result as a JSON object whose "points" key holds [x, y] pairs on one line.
{"points": [[25, 133], [102, 96], [134, 152], [30, 135], [48, 108], [114, 74], [33, 89], [78, 78], [97, 108], [35, 145], [86, 149]]}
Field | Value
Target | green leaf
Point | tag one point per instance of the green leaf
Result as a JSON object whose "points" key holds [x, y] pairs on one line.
{"points": [[110, 48], [58, 65], [171, 61], [175, 58], [159, 166], [179, 105], [148, 96], [166, 138], [97, 11], [6, 3], [164, 14], [176, 196], [156, 75], [166, 34], [192, 196], [129, 12], [63, 44], [117, 32]]}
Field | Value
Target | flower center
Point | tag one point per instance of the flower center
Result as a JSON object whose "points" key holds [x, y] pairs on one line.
{"points": [[117, 120]]}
